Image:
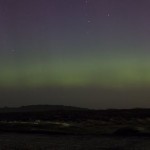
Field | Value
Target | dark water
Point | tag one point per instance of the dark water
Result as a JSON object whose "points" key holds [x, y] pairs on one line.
{"points": [[42, 142]]}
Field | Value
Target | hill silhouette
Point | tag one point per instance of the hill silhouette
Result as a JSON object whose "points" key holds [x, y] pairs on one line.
{"points": [[39, 108], [74, 120]]}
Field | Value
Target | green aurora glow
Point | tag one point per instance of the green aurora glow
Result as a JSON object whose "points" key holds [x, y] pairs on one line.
{"points": [[99, 71]]}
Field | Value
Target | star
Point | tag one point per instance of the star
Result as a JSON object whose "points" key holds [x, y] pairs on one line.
{"points": [[86, 1], [89, 21]]}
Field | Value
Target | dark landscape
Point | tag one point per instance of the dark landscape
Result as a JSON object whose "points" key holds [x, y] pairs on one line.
{"points": [[58, 127], [67, 120]]}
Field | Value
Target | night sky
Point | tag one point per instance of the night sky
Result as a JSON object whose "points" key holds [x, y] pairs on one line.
{"points": [[87, 53]]}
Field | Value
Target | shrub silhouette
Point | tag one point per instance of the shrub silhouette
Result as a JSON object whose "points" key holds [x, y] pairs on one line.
{"points": [[127, 131]]}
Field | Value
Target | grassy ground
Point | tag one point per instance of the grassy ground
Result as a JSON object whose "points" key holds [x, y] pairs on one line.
{"points": [[91, 127]]}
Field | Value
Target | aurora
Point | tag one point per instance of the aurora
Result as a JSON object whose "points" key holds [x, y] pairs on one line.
{"points": [[90, 53], [105, 71]]}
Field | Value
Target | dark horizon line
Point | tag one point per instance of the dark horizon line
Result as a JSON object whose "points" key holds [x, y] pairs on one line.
{"points": [[70, 106]]}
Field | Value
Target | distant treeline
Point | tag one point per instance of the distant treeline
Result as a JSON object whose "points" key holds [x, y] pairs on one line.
{"points": [[67, 113]]}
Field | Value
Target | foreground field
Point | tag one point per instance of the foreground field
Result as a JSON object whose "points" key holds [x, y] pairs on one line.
{"points": [[88, 127], [66, 120], [42, 142], [69, 128]]}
